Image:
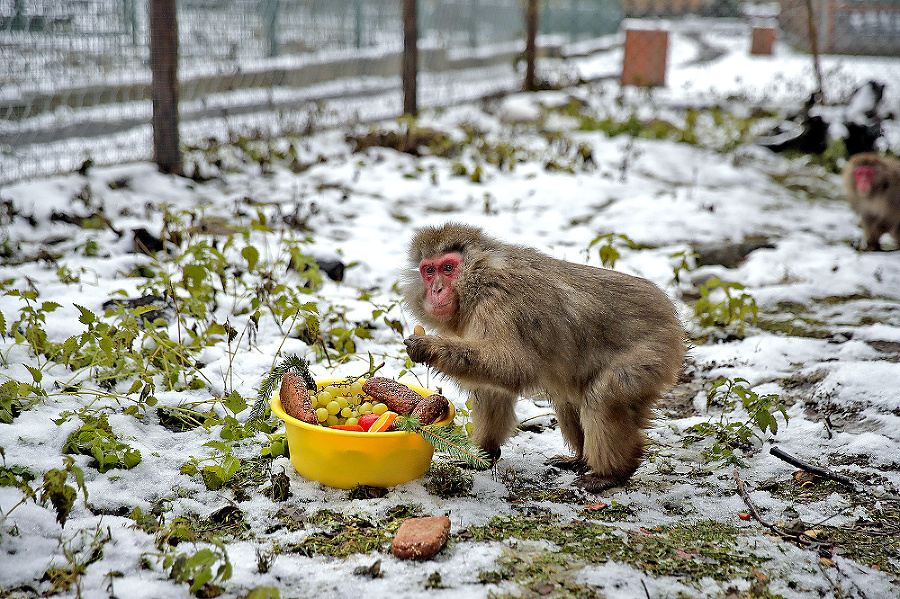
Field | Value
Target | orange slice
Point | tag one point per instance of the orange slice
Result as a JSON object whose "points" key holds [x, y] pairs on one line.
{"points": [[384, 422]]}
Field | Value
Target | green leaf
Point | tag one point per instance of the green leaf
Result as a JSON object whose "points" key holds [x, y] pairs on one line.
{"points": [[194, 275], [251, 255], [87, 317], [235, 403], [230, 465], [217, 329], [36, 373], [264, 593], [223, 447], [49, 306], [213, 477], [131, 458], [60, 495]]}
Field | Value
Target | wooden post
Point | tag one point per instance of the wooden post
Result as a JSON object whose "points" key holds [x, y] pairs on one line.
{"points": [[532, 17], [164, 68], [644, 63], [410, 65], [814, 46]]}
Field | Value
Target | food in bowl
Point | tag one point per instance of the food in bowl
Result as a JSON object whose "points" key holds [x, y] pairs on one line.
{"points": [[345, 459]]}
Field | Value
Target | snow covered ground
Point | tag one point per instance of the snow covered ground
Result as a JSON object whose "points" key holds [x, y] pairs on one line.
{"points": [[827, 344]]}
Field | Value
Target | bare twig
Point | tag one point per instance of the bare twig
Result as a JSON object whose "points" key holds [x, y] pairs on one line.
{"points": [[743, 493], [856, 485], [801, 538], [835, 588], [817, 470]]}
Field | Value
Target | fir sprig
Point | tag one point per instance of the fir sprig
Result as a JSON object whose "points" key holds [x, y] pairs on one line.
{"points": [[291, 362], [446, 438]]}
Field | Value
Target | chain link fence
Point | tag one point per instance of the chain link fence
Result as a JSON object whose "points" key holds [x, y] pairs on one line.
{"points": [[75, 80]]}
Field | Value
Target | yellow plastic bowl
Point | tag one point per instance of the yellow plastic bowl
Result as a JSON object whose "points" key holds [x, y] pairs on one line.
{"points": [[345, 459]]}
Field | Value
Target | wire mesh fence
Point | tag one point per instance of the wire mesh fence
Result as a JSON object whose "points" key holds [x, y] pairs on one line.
{"points": [[75, 80]]}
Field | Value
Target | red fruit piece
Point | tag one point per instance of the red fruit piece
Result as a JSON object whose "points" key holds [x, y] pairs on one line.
{"points": [[367, 420]]}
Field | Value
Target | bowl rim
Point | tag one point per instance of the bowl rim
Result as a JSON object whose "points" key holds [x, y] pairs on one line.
{"points": [[275, 405]]}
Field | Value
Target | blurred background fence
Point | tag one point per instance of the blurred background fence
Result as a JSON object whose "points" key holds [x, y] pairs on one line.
{"points": [[75, 81]]}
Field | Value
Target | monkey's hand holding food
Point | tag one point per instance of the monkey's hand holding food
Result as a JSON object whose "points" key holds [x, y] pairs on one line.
{"points": [[418, 346], [423, 349]]}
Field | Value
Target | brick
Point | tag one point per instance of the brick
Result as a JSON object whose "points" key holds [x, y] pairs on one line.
{"points": [[421, 538]]}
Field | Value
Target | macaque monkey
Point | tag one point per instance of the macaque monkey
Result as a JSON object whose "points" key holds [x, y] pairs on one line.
{"points": [[873, 190], [603, 345]]}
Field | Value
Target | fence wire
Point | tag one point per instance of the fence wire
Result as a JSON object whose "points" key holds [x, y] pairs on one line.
{"points": [[75, 77]]}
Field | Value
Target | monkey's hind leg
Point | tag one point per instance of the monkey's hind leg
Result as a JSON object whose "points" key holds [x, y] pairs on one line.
{"points": [[613, 447], [570, 425], [874, 228], [617, 410]]}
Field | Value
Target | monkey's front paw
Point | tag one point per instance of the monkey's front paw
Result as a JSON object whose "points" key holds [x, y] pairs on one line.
{"points": [[420, 349], [594, 483]]}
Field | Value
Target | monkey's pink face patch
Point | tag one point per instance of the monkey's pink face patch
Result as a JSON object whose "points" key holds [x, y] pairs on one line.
{"points": [[438, 275], [864, 176]]}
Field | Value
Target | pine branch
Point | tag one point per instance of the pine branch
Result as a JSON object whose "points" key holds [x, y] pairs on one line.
{"points": [[271, 382], [448, 439]]}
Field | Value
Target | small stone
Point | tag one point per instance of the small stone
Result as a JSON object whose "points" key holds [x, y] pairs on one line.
{"points": [[421, 538]]}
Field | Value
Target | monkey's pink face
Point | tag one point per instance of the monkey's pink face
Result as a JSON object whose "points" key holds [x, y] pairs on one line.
{"points": [[864, 176], [439, 274]]}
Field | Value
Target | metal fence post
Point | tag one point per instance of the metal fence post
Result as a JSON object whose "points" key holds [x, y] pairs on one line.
{"points": [[164, 68], [358, 23], [130, 20], [473, 24], [269, 9], [574, 21]]}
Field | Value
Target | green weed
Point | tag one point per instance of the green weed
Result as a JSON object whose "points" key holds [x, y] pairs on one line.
{"points": [[53, 489], [728, 315], [729, 435], [96, 438], [609, 245], [690, 551]]}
